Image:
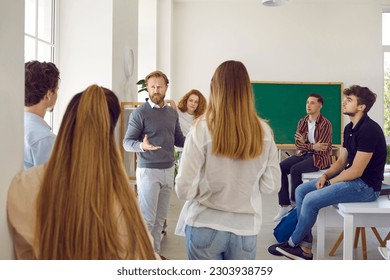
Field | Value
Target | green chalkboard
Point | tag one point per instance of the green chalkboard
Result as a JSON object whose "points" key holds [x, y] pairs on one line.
{"points": [[284, 103]]}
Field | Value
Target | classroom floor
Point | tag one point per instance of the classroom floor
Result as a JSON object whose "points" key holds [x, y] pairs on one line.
{"points": [[173, 246]]}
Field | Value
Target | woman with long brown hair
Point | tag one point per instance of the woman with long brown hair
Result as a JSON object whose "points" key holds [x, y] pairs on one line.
{"points": [[79, 205], [229, 160]]}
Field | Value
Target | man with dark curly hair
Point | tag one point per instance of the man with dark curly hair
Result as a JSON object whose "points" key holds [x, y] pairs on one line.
{"points": [[41, 86]]}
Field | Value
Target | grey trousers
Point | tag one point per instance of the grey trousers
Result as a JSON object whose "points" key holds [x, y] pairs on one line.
{"points": [[154, 188]]}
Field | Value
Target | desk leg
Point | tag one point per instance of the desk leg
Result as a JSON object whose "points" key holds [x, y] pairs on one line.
{"points": [[321, 234], [348, 237]]}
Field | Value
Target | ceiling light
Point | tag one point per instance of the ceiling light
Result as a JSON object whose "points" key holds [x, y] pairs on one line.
{"points": [[274, 3]]}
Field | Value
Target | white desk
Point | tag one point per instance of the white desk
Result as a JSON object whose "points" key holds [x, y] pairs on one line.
{"points": [[306, 177], [351, 215], [385, 253], [332, 217], [286, 150]]}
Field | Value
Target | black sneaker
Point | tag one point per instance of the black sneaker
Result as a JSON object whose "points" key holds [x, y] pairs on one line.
{"points": [[294, 253], [272, 249]]}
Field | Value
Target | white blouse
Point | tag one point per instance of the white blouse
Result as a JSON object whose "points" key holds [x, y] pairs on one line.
{"points": [[185, 121], [222, 193]]}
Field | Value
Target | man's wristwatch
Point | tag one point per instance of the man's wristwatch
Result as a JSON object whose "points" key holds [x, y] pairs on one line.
{"points": [[327, 183]]}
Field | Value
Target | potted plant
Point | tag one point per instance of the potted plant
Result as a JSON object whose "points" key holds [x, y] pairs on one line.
{"points": [[142, 83]]}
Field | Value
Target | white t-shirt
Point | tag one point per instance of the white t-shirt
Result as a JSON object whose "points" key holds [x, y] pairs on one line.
{"points": [[310, 133]]}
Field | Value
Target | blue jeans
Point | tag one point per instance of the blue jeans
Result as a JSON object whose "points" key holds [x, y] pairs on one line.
{"points": [[310, 200], [209, 244]]}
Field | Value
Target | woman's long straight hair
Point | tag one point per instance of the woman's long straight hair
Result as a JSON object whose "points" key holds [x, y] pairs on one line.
{"points": [[231, 115], [86, 208]]}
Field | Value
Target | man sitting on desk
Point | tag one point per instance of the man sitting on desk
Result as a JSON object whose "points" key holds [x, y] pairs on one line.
{"points": [[356, 176], [313, 140]]}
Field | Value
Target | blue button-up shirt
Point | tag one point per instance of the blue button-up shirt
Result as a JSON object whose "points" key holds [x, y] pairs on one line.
{"points": [[38, 140]]}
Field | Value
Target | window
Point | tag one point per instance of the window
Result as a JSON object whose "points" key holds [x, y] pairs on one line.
{"points": [[39, 34], [386, 59]]}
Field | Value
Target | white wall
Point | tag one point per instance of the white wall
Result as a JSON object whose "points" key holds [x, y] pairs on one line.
{"points": [[309, 41], [155, 39], [95, 41], [164, 39], [147, 36], [95, 38], [124, 40], [11, 107], [85, 48]]}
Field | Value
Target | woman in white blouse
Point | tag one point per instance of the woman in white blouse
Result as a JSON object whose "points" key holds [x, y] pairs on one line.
{"points": [[229, 160]]}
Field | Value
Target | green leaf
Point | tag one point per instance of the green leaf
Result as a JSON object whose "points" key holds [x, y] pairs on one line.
{"points": [[141, 82]]}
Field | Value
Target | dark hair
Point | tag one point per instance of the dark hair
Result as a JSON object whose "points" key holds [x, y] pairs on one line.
{"points": [[319, 97], [157, 74], [40, 77], [364, 96]]}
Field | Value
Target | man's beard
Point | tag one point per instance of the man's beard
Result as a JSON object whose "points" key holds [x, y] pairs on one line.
{"points": [[351, 114], [157, 98]]}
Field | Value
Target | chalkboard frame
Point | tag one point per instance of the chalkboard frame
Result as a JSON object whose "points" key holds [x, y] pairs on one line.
{"points": [[282, 104]]}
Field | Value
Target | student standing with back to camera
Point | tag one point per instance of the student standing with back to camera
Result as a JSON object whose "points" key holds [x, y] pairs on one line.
{"points": [[356, 176], [313, 140], [79, 205], [229, 160]]}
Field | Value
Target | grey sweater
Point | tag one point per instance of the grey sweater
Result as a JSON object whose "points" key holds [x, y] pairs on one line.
{"points": [[163, 129]]}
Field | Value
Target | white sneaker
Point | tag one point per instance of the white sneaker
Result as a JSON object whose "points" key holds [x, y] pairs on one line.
{"points": [[283, 211]]}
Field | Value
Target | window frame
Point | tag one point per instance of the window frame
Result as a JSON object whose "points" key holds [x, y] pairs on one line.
{"points": [[49, 116]]}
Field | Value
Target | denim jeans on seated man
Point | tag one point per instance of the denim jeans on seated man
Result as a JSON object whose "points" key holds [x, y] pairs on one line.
{"points": [[310, 200], [209, 244]]}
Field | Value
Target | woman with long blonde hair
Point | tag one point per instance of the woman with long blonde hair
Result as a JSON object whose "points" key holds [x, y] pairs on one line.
{"points": [[80, 205], [229, 160]]}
